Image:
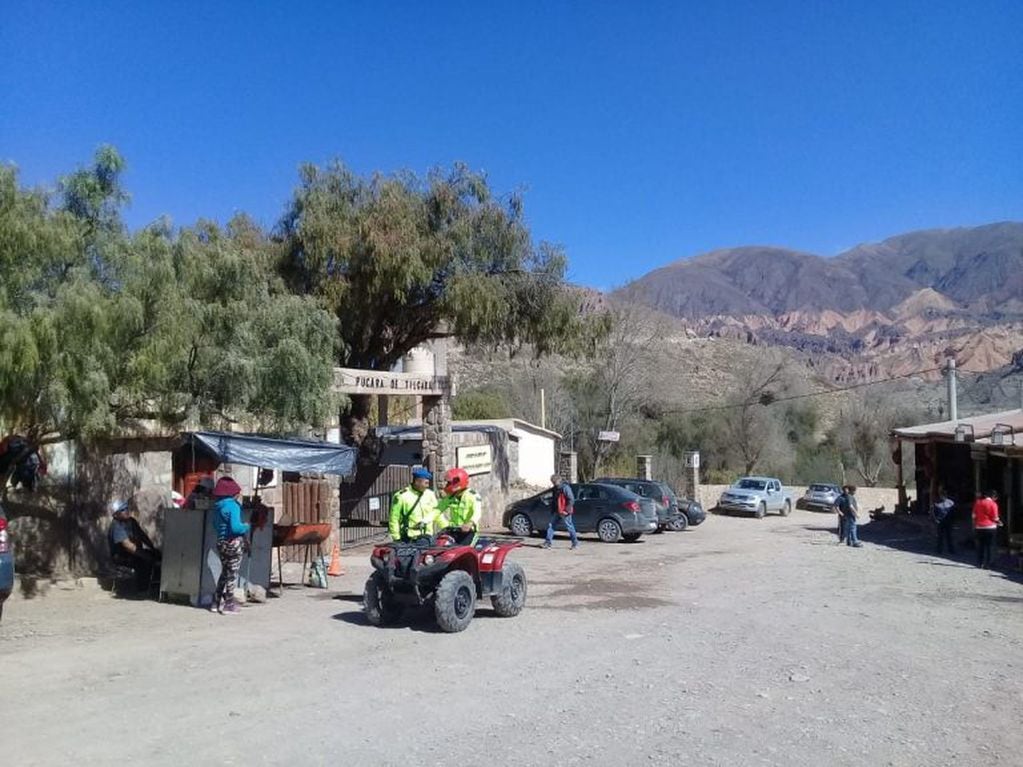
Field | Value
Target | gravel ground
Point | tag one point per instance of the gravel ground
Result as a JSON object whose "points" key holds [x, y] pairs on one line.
{"points": [[740, 642]]}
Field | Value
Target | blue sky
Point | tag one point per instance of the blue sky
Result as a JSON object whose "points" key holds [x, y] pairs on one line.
{"points": [[640, 133]]}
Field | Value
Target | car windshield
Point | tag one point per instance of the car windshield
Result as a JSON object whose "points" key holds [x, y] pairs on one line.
{"points": [[751, 484], [824, 488]]}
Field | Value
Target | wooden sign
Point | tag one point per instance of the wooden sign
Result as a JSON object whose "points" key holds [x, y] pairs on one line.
{"points": [[352, 381]]}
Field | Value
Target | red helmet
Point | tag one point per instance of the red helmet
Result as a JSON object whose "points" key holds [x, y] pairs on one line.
{"points": [[455, 481]]}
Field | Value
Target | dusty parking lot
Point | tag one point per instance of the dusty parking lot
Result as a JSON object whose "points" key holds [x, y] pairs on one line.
{"points": [[740, 642]]}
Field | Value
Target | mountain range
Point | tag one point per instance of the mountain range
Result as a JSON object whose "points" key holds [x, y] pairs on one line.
{"points": [[878, 310]]}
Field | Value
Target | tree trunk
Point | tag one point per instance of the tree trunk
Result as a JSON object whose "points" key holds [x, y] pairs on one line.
{"points": [[356, 429], [355, 422]]}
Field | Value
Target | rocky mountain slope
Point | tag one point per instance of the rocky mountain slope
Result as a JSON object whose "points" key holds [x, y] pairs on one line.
{"points": [[878, 310]]}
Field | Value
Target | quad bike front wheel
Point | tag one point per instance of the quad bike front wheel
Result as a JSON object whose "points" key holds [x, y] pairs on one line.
{"points": [[455, 601], [512, 598], [381, 607]]}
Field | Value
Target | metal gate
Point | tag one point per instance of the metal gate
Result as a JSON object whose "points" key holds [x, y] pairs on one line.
{"points": [[366, 503]]}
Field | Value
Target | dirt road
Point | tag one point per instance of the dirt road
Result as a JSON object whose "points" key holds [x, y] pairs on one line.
{"points": [[740, 642]]}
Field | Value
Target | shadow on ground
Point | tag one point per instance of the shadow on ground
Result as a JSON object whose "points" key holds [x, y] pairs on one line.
{"points": [[916, 535], [413, 619]]}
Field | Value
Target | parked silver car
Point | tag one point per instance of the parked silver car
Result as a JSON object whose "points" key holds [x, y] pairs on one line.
{"points": [[820, 496]]}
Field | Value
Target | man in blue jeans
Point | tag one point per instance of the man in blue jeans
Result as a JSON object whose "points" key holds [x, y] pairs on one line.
{"points": [[848, 510], [562, 508]]}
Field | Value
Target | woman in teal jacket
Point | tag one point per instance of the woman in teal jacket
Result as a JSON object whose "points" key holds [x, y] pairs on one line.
{"points": [[231, 532]]}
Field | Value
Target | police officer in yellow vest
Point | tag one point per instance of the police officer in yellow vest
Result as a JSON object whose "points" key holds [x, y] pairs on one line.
{"points": [[460, 507], [413, 509]]}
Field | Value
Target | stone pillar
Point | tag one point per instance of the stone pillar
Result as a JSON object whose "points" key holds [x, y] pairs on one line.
{"points": [[437, 453], [568, 466], [692, 459], [644, 466]]}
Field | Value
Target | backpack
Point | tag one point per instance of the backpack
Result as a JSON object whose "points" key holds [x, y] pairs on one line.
{"points": [[561, 502]]}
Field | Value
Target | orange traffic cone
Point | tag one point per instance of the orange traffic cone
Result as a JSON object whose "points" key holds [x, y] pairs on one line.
{"points": [[335, 568]]}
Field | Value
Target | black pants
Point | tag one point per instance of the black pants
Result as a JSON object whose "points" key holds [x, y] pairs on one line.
{"points": [[945, 535], [985, 547], [142, 565]]}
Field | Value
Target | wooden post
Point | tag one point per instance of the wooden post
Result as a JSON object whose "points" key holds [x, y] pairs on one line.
{"points": [[900, 480]]}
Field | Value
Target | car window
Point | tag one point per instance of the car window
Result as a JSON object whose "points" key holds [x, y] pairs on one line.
{"points": [[588, 493], [751, 484], [776, 486]]}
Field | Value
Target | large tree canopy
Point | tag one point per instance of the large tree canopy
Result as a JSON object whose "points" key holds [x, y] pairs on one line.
{"points": [[398, 259], [99, 327]]}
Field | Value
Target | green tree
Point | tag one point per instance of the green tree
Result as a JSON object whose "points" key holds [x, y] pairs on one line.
{"points": [[99, 328], [480, 404], [400, 260]]}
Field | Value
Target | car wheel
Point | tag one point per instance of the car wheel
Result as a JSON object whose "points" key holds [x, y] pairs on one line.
{"points": [[632, 537], [679, 523], [761, 511], [609, 531], [381, 608], [455, 602], [521, 526], [786, 509], [512, 598]]}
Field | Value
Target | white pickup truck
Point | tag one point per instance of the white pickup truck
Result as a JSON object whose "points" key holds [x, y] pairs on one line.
{"points": [[757, 496]]}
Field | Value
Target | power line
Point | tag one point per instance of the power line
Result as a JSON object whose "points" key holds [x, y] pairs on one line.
{"points": [[791, 397]]}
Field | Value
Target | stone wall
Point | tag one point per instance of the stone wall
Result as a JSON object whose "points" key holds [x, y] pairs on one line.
{"points": [[61, 529]]}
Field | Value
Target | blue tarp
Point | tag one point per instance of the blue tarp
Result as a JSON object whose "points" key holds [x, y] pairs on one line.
{"points": [[303, 455]]}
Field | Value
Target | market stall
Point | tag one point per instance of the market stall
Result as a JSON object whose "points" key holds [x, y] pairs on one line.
{"points": [[191, 566]]}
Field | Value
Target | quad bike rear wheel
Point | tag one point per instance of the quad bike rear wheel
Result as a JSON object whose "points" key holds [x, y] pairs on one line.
{"points": [[455, 601], [512, 598], [381, 607]]}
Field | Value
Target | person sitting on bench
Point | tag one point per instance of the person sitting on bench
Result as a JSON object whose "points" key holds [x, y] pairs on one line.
{"points": [[130, 546]]}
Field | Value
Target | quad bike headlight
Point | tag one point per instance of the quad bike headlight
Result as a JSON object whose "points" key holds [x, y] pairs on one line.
{"points": [[428, 559]]}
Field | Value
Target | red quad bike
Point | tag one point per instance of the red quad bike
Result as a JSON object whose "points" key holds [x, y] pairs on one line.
{"points": [[450, 575]]}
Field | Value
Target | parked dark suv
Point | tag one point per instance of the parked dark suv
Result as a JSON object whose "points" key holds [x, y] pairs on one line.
{"points": [[6, 561], [673, 513]]}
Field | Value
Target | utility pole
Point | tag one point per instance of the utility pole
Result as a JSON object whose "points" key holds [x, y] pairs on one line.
{"points": [[543, 409], [953, 396]]}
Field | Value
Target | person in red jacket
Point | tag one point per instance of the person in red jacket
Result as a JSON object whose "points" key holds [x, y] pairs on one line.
{"points": [[986, 523]]}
